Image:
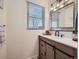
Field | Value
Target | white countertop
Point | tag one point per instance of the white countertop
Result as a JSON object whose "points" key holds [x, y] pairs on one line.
{"points": [[63, 40]]}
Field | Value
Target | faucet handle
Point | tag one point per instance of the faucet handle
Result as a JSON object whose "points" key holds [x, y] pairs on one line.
{"points": [[57, 33], [62, 35]]}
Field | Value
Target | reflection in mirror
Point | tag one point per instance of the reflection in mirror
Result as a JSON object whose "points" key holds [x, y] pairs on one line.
{"points": [[55, 19], [66, 16], [63, 18]]}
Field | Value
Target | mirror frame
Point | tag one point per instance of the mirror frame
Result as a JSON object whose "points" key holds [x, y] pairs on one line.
{"points": [[65, 28]]}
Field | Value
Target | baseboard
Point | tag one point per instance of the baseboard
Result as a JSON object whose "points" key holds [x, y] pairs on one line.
{"points": [[33, 57]]}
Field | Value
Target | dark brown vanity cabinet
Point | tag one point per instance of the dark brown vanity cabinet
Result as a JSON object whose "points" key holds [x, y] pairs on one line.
{"points": [[49, 49]]}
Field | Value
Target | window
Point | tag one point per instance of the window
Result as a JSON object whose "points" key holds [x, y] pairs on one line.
{"points": [[35, 16]]}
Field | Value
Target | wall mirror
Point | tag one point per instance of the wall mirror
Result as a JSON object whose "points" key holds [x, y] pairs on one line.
{"points": [[63, 18]]}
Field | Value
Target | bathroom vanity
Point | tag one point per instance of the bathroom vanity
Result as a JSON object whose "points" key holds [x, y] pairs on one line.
{"points": [[51, 47]]}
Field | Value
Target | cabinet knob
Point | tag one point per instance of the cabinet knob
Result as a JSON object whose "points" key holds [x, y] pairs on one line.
{"points": [[41, 44], [45, 53], [41, 53]]}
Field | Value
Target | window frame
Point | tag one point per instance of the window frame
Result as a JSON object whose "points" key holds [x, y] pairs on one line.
{"points": [[43, 17]]}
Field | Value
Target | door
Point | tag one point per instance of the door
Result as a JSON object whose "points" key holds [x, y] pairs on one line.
{"points": [[42, 51], [61, 55], [49, 52]]}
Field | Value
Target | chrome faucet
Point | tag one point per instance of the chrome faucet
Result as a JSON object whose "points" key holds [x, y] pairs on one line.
{"points": [[57, 33]]}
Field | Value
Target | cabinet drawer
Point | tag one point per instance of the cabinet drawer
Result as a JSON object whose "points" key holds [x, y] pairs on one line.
{"points": [[47, 40]]}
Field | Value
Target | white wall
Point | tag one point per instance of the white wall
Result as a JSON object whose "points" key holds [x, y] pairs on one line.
{"points": [[22, 43], [3, 22]]}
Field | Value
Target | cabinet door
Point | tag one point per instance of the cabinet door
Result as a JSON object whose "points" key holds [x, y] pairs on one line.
{"points": [[49, 52], [42, 51], [61, 55]]}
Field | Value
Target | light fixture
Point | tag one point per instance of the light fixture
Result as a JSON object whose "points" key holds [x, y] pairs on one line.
{"points": [[52, 8], [66, 0], [59, 4]]}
